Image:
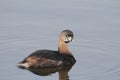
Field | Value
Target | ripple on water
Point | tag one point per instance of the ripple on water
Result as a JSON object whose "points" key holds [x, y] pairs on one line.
{"points": [[97, 59]]}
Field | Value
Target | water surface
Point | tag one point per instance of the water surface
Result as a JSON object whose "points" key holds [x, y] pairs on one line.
{"points": [[26, 26]]}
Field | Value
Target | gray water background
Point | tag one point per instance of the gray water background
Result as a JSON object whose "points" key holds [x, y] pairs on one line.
{"points": [[29, 25]]}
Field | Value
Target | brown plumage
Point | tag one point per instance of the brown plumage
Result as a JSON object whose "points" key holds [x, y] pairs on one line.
{"points": [[50, 58]]}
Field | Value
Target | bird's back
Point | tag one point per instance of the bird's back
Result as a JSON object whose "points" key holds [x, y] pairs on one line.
{"points": [[47, 58]]}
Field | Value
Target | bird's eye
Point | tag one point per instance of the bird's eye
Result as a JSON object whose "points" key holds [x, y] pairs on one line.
{"points": [[66, 36]]}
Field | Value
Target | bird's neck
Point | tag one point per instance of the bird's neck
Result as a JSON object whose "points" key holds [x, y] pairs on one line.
{"points": [[62, 48]]}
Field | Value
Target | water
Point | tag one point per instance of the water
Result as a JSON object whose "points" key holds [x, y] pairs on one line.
{"points": [[26, 26]]}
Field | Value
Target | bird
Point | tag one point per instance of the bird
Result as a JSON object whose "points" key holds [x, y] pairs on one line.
{"points": [[51, 58]]}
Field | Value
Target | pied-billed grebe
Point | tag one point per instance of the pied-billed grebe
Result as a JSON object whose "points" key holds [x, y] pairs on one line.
{"points": [[50, 58]]}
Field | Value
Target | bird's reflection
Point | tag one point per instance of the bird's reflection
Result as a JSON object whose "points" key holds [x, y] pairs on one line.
{"points": [[62, 71]]}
